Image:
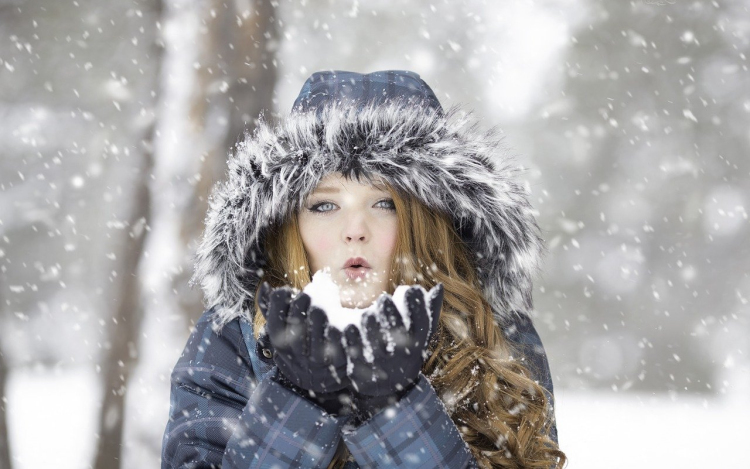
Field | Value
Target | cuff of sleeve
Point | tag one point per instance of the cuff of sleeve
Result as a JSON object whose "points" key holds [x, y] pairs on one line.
{"points": [[280, 427], [414, 432]]}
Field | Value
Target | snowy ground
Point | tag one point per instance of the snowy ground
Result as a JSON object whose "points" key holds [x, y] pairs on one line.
{"points": [[618, 431], [52, 420]]}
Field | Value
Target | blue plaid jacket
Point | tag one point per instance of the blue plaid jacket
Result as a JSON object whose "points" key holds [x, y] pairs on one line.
{"points": [[224, 412]]}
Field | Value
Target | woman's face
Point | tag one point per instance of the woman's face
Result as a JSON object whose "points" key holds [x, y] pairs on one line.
{"points": [[342, 219]]}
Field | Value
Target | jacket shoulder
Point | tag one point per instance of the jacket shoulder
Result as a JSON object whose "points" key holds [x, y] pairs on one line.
{"points": [[217, 352], [524, 339], [520, 331], [210, 386]]}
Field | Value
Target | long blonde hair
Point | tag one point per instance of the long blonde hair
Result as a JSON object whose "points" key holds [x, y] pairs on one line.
{"points": [[501, 412]]}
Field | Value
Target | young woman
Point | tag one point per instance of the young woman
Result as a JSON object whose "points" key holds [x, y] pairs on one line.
{"points": [[366, 170]]}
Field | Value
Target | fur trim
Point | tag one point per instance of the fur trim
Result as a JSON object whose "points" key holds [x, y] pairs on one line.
{"points": [[443, 160]]}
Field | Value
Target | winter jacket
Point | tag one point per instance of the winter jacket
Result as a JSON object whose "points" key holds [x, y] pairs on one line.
{"points": [[224, 409]]}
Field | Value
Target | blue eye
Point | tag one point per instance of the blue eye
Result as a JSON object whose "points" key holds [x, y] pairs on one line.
{"points": [[314, 208], [391, 203]]}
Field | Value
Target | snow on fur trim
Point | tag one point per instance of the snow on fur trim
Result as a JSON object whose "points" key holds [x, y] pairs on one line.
{"points": [[442, 160]]}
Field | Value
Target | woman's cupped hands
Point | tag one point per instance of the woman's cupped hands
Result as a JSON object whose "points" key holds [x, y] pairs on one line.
{"points": [[377, 361]]}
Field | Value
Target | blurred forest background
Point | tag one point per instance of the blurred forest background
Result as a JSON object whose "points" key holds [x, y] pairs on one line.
{"points": [[116, 118]]}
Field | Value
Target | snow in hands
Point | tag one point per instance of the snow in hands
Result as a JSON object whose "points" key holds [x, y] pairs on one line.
{"points": [[325, 294]]}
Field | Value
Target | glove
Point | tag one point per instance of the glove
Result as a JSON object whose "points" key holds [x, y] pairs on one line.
{"points": [[397, 352], [310, 356]]}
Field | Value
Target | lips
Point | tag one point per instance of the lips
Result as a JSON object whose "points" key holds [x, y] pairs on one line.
{"points": [[357, 262], [356, 268]]}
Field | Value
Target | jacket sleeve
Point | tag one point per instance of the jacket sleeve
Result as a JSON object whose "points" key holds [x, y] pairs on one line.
{"points": [[524, 336], [221, 416], [415, 432]]}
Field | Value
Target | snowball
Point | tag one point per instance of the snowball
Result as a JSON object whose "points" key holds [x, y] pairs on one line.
{"points": [[324, 293]]}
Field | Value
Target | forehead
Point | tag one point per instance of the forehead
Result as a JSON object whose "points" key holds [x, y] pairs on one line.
{"points": [[336, 182]]}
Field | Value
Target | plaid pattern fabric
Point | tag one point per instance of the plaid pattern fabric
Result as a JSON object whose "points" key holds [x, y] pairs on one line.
{"points": [[357, 88], [416, 432], [224, 415], [523, 335], [226, 412], [210, 385], [282, 429]]}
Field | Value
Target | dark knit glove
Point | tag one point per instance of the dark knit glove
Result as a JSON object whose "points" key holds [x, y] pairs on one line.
{"points": [[397, 352], [309, 355]]}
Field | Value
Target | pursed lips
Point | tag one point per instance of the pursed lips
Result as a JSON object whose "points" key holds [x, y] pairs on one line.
{"points": [[356, 268], [357, 262]]}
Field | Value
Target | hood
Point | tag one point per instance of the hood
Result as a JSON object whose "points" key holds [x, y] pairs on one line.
{"points": [[440, 158]]}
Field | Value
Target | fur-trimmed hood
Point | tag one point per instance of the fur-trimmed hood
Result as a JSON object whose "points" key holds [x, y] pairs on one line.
{"points": [[443, 160]]}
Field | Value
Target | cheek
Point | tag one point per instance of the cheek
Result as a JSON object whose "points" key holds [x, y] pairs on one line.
{"points": [[318, 241], [323, 243], [387, 240]]}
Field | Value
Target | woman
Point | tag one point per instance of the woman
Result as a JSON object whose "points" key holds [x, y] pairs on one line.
{"points": [[366, 166]]}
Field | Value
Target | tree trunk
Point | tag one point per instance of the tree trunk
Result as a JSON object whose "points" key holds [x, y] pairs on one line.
{"points": [[121, 356], [4, 441], [122, 347], [239, 48]]}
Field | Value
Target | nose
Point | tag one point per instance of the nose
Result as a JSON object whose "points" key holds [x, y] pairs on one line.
{"points": [[356, 229]]}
